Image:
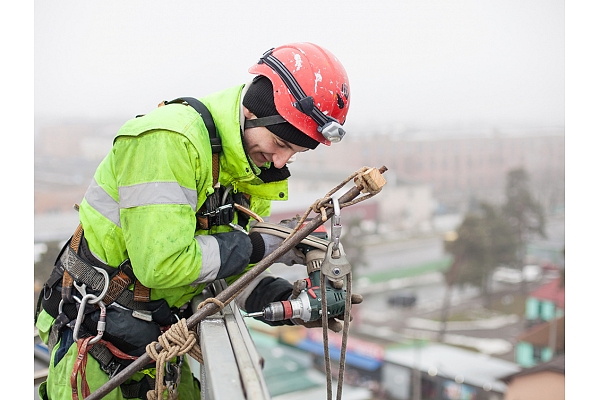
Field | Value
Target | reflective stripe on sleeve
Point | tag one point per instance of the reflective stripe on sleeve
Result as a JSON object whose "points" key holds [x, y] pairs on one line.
{"points": [[101, 201], [151, 193], [211, 259]]}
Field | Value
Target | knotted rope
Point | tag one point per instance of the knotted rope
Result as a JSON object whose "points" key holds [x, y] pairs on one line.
{"points": [[177, 341]]}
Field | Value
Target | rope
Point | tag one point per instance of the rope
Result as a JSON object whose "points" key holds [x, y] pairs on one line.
{"points": [[345, 331], [175, 342], [320, 205], [346, 328], [213, 300], [325, 326]]}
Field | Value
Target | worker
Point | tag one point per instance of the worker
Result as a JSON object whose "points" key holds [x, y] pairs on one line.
{"points": [[158, 219]]}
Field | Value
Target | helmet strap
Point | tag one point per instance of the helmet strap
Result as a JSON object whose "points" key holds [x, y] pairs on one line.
{"points": [[264, 121]]}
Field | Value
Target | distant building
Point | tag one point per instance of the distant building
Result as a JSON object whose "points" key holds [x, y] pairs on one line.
{"points": [[459, 166], [541, 343], [435, 371], [401, 204], [544, 381], [544, 338]]}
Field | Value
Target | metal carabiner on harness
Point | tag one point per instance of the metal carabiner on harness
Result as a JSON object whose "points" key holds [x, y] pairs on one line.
{"points": [[101, 325], [91, 299]]}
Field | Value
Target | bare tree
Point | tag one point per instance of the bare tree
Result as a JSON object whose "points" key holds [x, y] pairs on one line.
{"points": [[524, 214], [483, 241]]}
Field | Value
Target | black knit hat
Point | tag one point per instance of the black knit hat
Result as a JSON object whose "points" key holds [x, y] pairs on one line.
{"points": [[259, 100]]}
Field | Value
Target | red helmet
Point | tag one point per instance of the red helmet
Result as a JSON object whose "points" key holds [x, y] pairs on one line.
{"points": [[310, 89]]}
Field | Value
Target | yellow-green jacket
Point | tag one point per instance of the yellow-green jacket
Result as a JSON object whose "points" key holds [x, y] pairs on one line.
{"points": [[142, 202]]}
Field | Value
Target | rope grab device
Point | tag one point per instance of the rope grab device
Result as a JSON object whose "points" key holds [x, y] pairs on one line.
{"points": [[332, 271]]}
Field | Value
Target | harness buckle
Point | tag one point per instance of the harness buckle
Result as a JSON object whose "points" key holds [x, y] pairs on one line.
{"points": [[223, 215]]}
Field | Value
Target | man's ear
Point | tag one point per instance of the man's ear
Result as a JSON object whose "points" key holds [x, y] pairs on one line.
{"points": [[248, 114]]}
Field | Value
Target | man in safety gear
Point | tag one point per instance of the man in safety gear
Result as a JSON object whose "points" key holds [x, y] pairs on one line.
{"points": [[161, 220]]}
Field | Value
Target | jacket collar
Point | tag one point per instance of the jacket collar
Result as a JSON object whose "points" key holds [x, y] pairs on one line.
{"points": [[235, 168]]}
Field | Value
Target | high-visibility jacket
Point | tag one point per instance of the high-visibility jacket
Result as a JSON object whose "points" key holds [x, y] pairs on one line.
{"points": [[142, 202]]}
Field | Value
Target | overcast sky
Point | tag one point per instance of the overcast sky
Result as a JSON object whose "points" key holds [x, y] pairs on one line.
{"points": [[413, 62]]}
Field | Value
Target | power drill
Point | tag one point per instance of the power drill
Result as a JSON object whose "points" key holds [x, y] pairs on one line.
{"points": [[307, 306]]}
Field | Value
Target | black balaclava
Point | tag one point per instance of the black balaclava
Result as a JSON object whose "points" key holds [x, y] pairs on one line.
{"points": [[259, 100]]}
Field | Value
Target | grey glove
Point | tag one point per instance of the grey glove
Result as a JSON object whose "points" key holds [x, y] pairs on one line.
{"points": [[264, 244]]}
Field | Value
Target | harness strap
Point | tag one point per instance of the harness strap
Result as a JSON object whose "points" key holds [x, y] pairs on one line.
{"points": [[82, 271], [78, 269], [111, 360], [216, 146], [140, 292], [118, 284], [67, 280], [215, 140]]}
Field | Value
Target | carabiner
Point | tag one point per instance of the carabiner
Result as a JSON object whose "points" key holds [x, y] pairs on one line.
{"points": [[336, 226], [101, 326], [80, 313]]}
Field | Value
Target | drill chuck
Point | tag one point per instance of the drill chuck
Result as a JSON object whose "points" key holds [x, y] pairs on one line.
{"points": [[287, 309]]}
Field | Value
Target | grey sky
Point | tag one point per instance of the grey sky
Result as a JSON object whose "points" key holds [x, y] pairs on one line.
{"points": [[410, 62]]}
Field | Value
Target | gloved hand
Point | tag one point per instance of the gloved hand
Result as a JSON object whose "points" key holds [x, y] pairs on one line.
{"points": [[336, 324], [264, 244]]}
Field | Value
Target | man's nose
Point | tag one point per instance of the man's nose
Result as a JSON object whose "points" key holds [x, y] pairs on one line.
{"points": [[280, 158]]}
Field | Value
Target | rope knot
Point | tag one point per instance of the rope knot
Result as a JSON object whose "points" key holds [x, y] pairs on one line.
{"points": [[175, 342]]}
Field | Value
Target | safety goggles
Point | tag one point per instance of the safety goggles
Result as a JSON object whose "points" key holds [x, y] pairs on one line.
{"points": [[328, 126]]}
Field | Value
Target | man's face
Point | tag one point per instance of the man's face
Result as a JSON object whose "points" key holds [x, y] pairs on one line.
{"points": [[263, 146]]}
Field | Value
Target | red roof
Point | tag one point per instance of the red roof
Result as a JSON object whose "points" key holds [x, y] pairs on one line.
{"points": [[552, 291]]}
